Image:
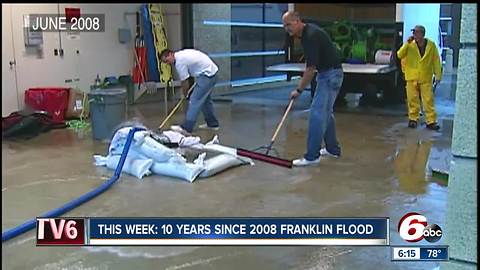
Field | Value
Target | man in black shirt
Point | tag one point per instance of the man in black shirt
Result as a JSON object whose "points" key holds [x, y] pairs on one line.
{"points": [[321, 58]]}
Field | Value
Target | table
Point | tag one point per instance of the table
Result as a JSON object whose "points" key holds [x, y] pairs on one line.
{"points": [[371, 77], [299, 68]]}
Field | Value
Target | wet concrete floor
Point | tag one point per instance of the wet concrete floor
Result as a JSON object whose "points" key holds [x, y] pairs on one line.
{"points": [[381, 174]]}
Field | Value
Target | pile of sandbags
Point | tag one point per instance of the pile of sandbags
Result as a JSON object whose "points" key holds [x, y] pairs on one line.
{"points": [[148, 154]]}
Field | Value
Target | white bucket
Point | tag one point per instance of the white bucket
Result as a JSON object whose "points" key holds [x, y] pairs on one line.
{"points": [[448, 68], [382, 57]]}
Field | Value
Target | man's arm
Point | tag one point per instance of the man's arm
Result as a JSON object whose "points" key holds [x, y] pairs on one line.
{"points": [[185, 86], [183, 75], [402, 52], [437, 66], [307, 77]]}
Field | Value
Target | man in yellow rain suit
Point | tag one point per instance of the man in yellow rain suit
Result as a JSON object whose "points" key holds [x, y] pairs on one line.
{"points": [[420, 60]]}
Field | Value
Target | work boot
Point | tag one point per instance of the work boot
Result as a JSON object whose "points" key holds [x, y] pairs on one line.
{"points": [[412, 124], [433, 126]]}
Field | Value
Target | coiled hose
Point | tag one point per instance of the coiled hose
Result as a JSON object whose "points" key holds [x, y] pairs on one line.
{"points": [[30, 224]]}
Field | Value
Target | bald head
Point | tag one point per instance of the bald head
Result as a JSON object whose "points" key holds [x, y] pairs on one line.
{"points": [[291, 15], [292, 23]]}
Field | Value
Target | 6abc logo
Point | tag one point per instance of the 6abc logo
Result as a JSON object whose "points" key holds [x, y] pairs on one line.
{"points": [[413, 227]]}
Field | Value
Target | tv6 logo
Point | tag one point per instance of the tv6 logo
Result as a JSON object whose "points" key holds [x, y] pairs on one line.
{"points": [[60, 231], [413, 227]]}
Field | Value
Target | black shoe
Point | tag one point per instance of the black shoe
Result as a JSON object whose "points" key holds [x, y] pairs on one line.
{"points": [[433, 126], [412, 124]]}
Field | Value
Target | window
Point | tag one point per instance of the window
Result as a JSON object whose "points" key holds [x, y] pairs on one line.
{"points": [[243, 39], [263, 35]]}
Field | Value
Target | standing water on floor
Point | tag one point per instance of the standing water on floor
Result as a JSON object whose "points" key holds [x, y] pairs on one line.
{"points": [[381, 174]]}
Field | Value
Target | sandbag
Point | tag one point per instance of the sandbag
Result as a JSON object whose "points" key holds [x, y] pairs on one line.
{"points": [[220, 163], [158, 152], [186, 171], [215, 146], [120, 138], [180, 139], [136, 167], [220, 148]]}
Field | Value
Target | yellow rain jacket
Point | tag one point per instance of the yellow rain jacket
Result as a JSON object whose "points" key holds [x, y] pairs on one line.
{"points": [[420, 68]]}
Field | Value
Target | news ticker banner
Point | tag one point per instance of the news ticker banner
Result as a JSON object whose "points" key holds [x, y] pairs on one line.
{"points": [[213, 231], [419, 253]]}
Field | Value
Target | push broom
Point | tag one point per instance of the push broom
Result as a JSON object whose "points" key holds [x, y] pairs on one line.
{"points": [[265, 157], [243, 152]]}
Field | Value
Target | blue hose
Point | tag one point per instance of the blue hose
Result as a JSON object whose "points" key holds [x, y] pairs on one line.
{"points": [[30, 224]]}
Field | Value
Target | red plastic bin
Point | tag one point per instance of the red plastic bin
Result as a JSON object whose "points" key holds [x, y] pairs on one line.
{"points": [[54, 100]]}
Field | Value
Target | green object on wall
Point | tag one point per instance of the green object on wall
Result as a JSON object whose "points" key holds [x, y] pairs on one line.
{"points": [[346, 51], [359, 50], [381, 46], [341, 31]]}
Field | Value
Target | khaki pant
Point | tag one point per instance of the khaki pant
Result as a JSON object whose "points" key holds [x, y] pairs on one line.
{"points": [[415, 90]]}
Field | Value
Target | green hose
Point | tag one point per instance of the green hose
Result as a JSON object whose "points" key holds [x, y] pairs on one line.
{"points": [[78, 124], [81, 123]]}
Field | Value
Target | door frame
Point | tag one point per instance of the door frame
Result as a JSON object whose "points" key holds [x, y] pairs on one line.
{"points": [[9, 63]]}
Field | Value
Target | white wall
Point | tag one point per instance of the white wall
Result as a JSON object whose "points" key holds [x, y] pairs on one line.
{"points": [[99, 53], [174, 27]]}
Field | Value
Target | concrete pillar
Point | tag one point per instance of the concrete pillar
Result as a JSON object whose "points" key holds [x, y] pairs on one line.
{"points": [[214, 38], [461, 220]]}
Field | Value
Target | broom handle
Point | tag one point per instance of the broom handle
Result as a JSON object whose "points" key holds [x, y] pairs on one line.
{"points": [[283, 120], [190, 90], [176, 107], [171, 113]]}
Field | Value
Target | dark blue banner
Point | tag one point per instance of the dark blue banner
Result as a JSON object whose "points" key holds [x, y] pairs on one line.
{"points": [[357, 231], [434, 253]]}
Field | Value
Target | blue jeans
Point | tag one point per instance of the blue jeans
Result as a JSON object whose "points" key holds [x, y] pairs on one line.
{"points": [[321, 125], [200, 99]]}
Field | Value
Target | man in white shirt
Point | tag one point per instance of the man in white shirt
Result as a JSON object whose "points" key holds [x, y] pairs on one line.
{"points": [[196, 64]]}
